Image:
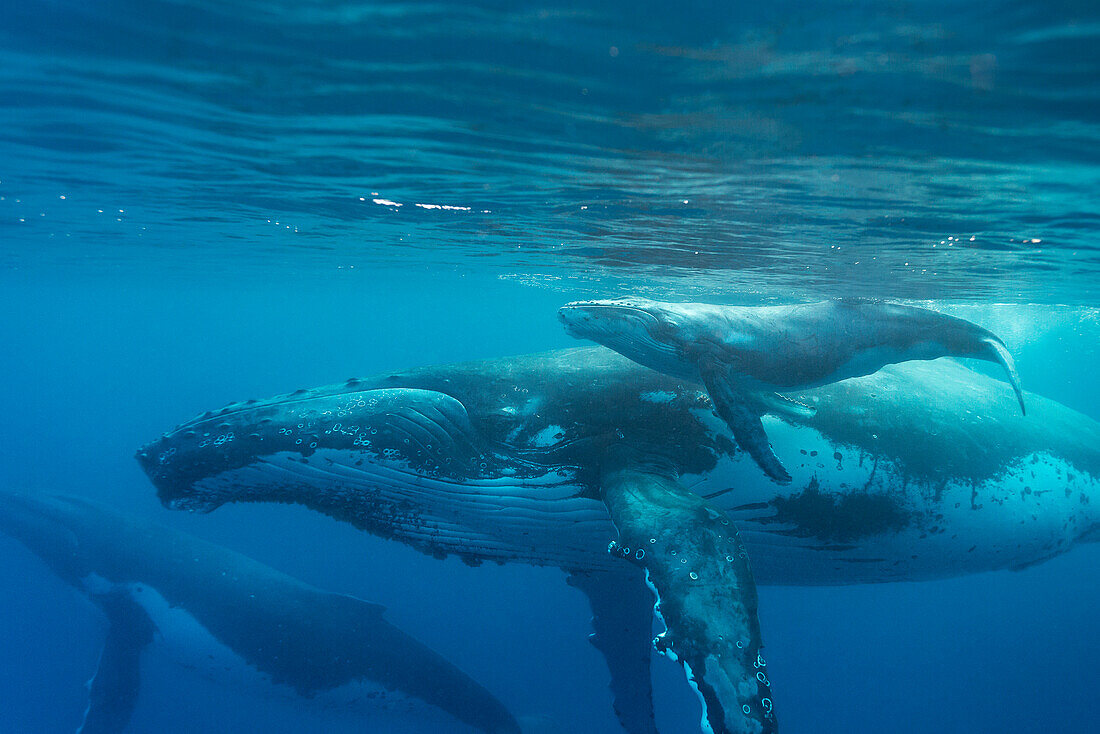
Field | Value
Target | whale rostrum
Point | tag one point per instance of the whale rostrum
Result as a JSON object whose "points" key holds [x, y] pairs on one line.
{"points": [[746, 356]]}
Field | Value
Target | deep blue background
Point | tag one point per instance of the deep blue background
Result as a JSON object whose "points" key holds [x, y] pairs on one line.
{"points": [[198, 205]]}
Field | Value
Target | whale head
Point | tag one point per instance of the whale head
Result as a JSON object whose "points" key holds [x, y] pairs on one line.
{"points": [[398, 462], [50, 527], [263, 450], [642, 330]]}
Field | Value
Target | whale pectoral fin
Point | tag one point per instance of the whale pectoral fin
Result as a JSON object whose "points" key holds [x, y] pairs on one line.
{"points": [[697, 564], [782, 405], [998, 352], [742, 415], [622, 622], [113, 690]]}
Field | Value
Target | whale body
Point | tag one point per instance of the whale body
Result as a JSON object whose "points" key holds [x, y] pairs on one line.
{"points": [[920, 471], [917, 471], [746, 355], [237, 622]]}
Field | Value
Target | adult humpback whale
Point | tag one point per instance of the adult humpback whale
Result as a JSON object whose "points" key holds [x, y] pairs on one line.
{"points": [[915, 472], [746, 355], [234, 619]]}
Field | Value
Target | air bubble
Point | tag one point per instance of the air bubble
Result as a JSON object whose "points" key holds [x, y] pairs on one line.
{"points": [[694, 576], [746, 710]]}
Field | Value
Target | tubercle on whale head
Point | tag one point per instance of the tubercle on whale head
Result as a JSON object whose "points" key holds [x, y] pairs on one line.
{"points": [[174, 491], [582, 318], [638, 329], [231, 457]]}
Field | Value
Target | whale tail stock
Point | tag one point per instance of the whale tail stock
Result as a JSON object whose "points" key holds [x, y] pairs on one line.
{"points": [[952, 336], [996, 351]]}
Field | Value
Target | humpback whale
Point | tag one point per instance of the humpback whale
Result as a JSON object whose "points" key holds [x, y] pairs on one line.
{"points": [[236, 620], [746, 356], [917, 471]]}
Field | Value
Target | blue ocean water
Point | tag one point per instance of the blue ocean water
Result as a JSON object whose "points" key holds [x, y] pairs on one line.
{"points": [[202, 202]]}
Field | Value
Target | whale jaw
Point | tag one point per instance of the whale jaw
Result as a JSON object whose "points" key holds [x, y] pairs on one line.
{"points": [[400, 463]]}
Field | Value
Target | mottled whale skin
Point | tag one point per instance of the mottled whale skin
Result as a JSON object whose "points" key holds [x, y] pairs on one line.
{"points": [[237, 622], [744, 355], [919, 471]]}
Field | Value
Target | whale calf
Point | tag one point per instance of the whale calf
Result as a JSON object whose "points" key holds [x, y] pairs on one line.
{"points": [[917, 471], [237, 621], [746, 356]]}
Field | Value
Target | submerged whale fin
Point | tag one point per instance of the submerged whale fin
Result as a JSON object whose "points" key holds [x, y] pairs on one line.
{"points": [[622, 620], [697, 564], [998, 352], [113, 690], [743, 419]]}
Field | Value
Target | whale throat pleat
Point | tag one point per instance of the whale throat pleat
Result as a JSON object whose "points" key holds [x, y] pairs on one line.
{"points": [[545, 520]]}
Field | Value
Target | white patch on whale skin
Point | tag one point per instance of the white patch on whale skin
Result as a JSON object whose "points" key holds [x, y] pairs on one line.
{"points": [[1011, 527], [96, 585], [548, 437]]}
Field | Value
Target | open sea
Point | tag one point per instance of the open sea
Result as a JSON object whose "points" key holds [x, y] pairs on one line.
{"points": [[203, 202]]}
